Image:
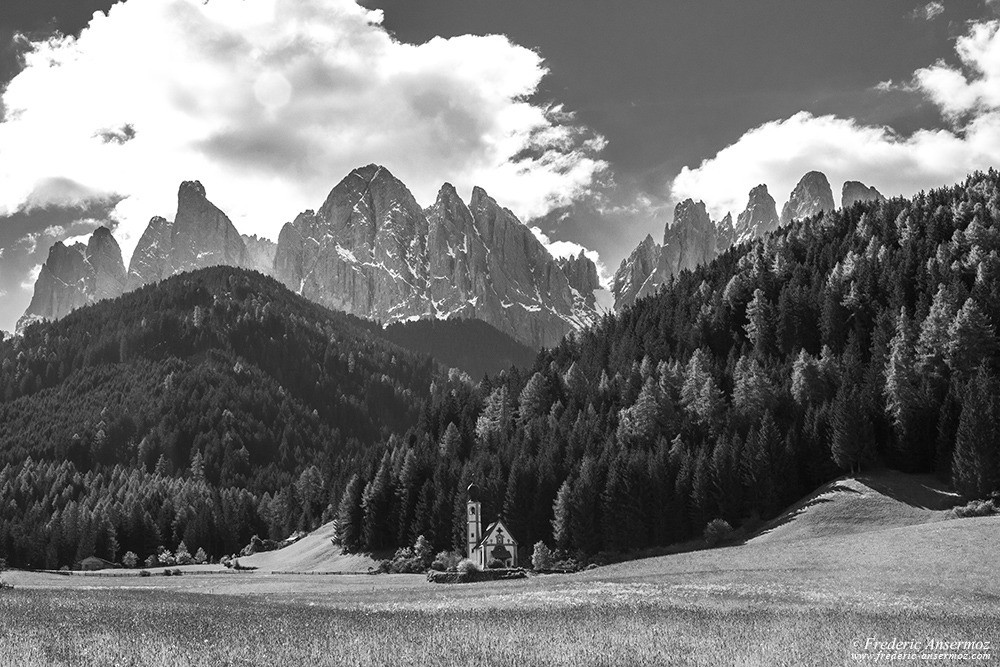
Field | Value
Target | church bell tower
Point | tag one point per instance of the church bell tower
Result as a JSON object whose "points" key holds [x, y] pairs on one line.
{"points": [[473, 514]]}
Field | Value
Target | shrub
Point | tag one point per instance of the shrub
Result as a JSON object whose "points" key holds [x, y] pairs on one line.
{"points": [[541, 557], [446, 560], [466, 566], [183, 556], [976, 508], [167, 573], [177, 572], [201, 557], [152, 561], [717, 531], [164, 557], [5, 586], [3, 564], [130, 559], [145, 573], [495, 564]]}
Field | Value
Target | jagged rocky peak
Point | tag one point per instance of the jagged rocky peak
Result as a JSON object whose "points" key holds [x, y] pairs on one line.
{"points": [[855, 191], [759, 218], [150, 256], [725, 234], [202, 235], [582, 274], [363, 251], [260, 253], [105, 259], [810, 196], [633, 272], [76, 275], [689, 241], [372, 251]]}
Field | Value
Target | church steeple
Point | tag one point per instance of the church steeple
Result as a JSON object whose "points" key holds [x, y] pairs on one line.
{"points": [[473, 515]]}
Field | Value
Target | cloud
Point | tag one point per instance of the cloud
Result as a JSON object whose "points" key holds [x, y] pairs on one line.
{"points": [[269, 104], [928, 12], [973, 87], [566, 249], [778, 153], [29, 281]]}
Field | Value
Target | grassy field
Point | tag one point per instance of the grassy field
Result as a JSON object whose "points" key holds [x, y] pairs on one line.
{"points": [[805, 595]]}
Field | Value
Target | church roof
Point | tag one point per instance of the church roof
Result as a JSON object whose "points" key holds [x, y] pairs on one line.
{"points": [[489, 531]]}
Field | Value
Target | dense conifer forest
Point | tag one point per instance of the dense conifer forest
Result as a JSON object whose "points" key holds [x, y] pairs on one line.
{"points": [[864, 337], [208, 408], [473, 346], [217, 405]]}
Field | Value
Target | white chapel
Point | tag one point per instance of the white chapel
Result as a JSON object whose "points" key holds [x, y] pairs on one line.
{"points": [[494, 543]]}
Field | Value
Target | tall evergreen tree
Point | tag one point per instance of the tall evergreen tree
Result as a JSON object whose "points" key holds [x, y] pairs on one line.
{"points": [[976, 463]]}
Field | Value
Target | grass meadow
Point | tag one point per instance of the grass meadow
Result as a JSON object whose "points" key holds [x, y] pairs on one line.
{"points": [[160, 626], [811, 598]]}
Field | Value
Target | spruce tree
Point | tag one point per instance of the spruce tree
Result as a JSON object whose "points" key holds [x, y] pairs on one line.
{"points": [[976, 461], [971, 340]]}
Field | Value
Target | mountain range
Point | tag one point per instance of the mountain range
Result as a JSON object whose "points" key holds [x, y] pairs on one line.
{"points": [[693, 238], [369, 250]]}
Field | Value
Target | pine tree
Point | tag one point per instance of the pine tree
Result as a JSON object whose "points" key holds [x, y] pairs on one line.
{"points": [[807, 380], [532, 400], [971, 339], [350, 515], [901, 382], [451, 442], [561, 509], [932, 345], [377, 531], [760, 323], [976, 461], [496, 415], [639, 424], [752, 392], [851, 438]]}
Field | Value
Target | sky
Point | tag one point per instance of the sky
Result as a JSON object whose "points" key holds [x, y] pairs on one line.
{"points": [[589, 119]]}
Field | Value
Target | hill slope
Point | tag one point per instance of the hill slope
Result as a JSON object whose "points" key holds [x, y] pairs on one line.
{"points": [[866, 503], [473, 346], [206, 408]]}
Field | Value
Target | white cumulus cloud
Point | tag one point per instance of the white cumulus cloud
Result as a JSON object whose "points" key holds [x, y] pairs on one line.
{"points": [[778, 153], [567, 249], [269, 103]]}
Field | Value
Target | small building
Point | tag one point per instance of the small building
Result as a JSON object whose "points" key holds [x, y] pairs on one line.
{"points": [[494, 543], [95, 563]]}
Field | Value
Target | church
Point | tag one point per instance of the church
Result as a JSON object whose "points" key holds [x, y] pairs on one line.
{"points": [[494, 543]]}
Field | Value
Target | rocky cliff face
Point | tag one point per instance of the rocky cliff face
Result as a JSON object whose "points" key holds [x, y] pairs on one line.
{"points": [[760, 217], [370, 250], [810, 196], [726, 234], [150, 256], [691, 239], [200, 236], [634, 270], [77, 275], [260, 253], [855, 191], [582, 275]]}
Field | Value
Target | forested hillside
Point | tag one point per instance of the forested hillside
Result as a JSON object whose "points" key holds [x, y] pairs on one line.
{"points": [[217, 405], [209, 407], [474, 346], [844, 341]]}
